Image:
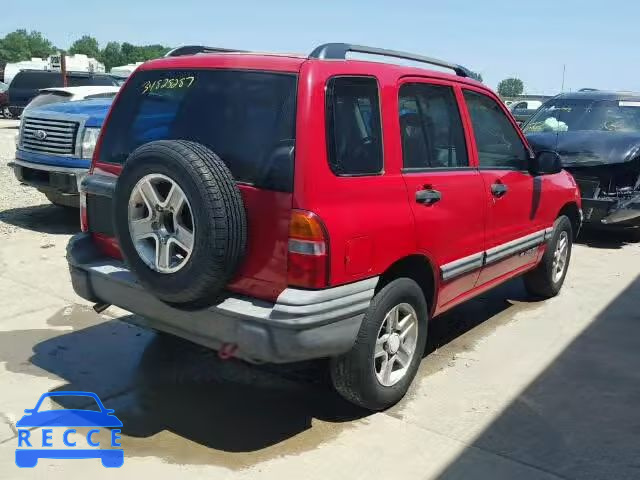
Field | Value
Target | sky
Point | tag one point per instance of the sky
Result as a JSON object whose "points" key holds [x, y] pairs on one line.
{"points": [[597, 41]]}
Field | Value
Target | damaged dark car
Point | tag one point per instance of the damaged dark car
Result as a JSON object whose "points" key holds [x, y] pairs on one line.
{"points": [[597, 135]]}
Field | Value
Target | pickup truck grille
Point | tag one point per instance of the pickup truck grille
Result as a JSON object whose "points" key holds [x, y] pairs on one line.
{"points": [[49, 136]]}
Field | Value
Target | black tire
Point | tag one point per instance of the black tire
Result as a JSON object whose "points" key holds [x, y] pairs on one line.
{"points": [[353, 374], [218, 214], [539, 282], [634, 235]]}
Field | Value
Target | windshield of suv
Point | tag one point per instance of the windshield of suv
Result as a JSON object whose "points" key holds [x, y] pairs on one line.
{"points": [[564, 115], [245, 117]]}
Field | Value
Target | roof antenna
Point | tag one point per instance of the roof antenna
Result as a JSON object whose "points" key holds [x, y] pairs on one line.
{"points": [[564, 69]]}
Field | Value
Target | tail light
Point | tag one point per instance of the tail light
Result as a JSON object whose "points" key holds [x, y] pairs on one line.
{"points": [[308, 257], [84, 223]]}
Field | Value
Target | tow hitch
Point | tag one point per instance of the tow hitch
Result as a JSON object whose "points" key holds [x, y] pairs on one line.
{"points": [[227, 351]]}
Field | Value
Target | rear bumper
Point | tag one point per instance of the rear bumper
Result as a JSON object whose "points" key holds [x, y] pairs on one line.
{"points": [[49, 178], [300, 325]]}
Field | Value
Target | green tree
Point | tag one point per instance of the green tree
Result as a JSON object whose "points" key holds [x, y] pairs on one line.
{"points": [[150, 52], [22, 45], [86, 45], [128, 53], [39, 46], [476, 76], [111, 55], [510, 87], [141, 53]]}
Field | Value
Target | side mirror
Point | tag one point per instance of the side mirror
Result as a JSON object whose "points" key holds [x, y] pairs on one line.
{"points": [[545, 163]]}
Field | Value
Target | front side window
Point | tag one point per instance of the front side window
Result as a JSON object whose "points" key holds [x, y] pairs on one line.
{"points": [[247, 118], [354, 135], [497, 141], [430, 127]]}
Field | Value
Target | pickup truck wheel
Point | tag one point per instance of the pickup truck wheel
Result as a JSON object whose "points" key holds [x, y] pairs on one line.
{"points": [[377, 372], [180, 221], [6, 112], [547, 278]]}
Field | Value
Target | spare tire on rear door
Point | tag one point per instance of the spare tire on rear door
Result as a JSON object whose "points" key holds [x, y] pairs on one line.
{"points": [[180, 221]]}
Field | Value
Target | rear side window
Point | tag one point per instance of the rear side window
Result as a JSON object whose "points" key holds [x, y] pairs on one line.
{"points": [[354, 135], [431, 129], [246, 118]]}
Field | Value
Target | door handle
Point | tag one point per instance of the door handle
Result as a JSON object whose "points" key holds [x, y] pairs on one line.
{"points": [[499, 189], [428, 197]]}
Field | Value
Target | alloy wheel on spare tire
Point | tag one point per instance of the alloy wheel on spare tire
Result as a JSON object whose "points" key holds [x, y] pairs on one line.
{"points": [[180, 221]]}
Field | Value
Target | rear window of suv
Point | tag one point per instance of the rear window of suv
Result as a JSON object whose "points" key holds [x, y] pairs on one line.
{"points": [[36, 80], [91, 80], [247, 118]]}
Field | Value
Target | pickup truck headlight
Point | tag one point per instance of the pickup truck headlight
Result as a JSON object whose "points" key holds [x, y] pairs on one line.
{"points": [[89, 139], [17, 138]]}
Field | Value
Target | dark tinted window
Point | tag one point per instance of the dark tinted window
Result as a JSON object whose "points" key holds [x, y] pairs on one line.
{"points": [[354, 136], [36, 80], [497, 140], [90, 80], [431, 129], [247, 118]]}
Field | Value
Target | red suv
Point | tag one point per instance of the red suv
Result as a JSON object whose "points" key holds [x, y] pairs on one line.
{"points": [[282, 208]]}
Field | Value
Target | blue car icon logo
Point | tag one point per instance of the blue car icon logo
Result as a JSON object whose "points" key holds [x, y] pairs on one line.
{"points": [[28, 453]]}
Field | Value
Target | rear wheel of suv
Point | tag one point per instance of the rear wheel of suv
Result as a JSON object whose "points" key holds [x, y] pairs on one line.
{"points": [[377, 372], [547, 278], [180, 221]]}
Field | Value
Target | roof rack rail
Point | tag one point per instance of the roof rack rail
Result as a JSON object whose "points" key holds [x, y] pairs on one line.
{"points": [[338, 51], [193, 49]]}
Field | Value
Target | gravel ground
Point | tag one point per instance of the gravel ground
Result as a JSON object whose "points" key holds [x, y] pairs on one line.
{"points": [[22, 207]]}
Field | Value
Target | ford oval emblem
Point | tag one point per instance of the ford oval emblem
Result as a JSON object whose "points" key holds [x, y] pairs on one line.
{"points": [[41, 134]]}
